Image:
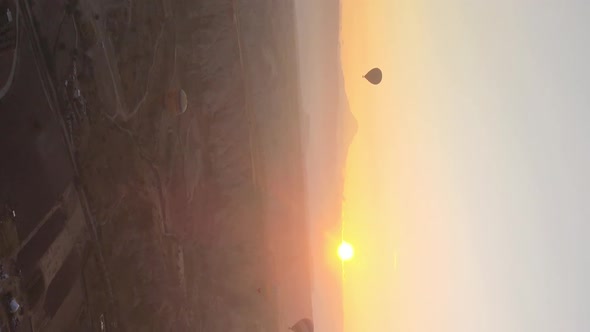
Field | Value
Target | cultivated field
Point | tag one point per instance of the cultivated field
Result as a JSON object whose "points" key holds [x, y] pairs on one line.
{"points": [[200, 215]]}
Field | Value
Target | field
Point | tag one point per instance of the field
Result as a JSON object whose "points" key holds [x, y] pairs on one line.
{"points": [[200, 215]]}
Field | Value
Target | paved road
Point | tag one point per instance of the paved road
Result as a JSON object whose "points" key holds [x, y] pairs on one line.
{"points": [[8, 58], [254, 152]]}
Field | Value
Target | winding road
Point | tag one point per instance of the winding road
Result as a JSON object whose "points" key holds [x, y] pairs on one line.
{"points": [[8, 84]]}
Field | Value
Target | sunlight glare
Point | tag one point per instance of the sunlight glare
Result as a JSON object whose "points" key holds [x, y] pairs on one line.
{"points": [[345, 251]]}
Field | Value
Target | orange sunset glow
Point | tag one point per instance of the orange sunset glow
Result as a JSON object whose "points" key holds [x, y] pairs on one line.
{"points": [[373, 173], [363, 46], [467, 164]]}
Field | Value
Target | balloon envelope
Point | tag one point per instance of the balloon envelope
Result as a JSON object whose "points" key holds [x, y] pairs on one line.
{"points": [[183, 101], [303, 325], [374, 76]]}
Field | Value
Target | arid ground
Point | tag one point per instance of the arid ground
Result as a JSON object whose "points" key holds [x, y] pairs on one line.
{"points": [[200, 214], [139, 218]]}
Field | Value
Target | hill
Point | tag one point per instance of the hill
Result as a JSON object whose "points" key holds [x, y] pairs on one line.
{"points": [[332, 128]]}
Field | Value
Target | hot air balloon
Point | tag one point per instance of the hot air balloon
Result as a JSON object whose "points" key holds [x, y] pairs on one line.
{"points": [[303, 325], [176, 101], [374, 76]]}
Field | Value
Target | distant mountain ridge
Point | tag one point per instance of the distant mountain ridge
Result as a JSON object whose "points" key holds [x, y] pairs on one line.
{"points": [[328, 130], [348, 124]]}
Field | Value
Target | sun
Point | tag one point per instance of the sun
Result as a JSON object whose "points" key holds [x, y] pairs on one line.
{"points": [[345, 251]]}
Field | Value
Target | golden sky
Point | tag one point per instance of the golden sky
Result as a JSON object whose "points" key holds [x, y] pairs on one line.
{"points": [[405, 211], [383, 166], [467, 183], [362, 34]]}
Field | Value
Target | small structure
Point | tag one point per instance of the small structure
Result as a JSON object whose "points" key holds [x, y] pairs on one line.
{"points": [[176, 101], [13, 306], [7, 214]]}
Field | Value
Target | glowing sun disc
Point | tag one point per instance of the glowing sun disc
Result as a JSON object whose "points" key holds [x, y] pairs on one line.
{"points": [[345, 251]]}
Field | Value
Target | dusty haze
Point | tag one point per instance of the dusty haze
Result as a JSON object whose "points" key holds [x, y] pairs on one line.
{"points": [[330, 128]]}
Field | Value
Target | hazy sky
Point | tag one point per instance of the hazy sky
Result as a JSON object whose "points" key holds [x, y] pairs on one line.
{"points": [[320, 69], [468, 186]]}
